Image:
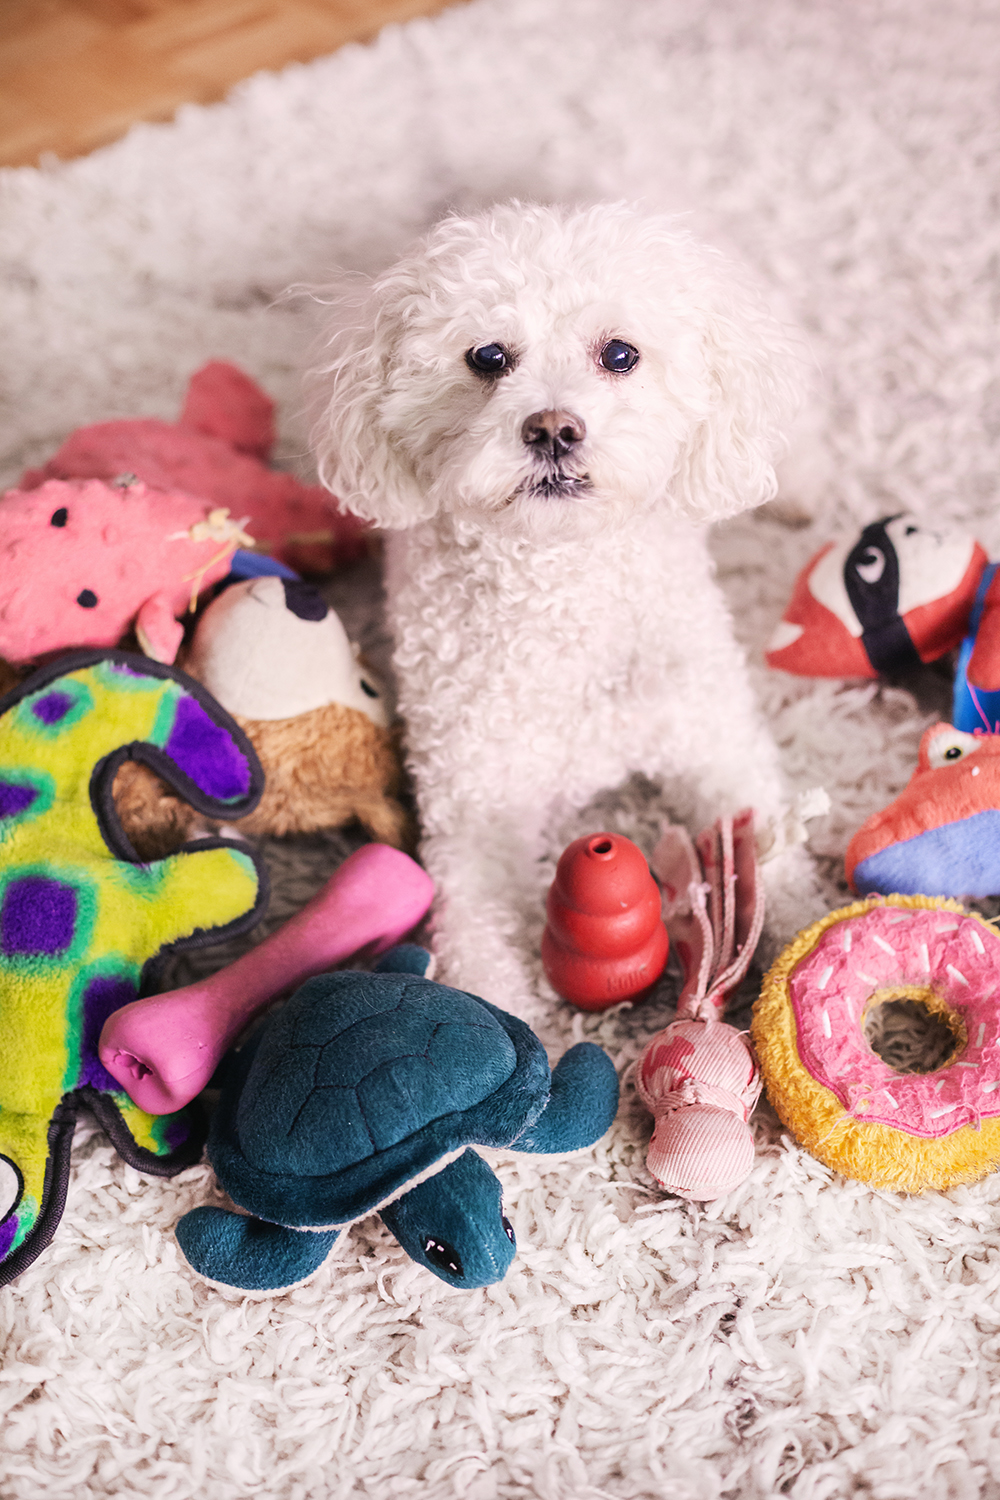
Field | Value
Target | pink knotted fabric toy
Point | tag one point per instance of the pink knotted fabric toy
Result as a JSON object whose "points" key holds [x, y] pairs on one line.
{"points": [[699, 1076]]}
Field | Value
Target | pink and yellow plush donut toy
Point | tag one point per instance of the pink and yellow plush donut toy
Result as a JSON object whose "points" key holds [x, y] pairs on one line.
{"points": [[908, 1131]]}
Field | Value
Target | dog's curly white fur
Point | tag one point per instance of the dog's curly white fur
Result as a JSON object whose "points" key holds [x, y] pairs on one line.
{"points": [[557, 624]]}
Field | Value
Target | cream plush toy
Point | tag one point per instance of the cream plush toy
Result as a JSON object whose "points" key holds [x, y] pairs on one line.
{"points": [[278, 658]]}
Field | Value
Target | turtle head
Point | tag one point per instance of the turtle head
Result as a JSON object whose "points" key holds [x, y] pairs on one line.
{"points": [[453, 1223]]}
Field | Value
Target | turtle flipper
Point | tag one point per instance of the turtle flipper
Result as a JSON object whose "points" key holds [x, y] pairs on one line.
{"points": [[238, 1250], [582, 1104], [453, 1224], [407, 958]]}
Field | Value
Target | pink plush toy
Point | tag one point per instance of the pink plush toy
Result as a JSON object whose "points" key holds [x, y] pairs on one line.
{"points": [[218, 451], [699, 1075], [165, 1049], [81, 562]]}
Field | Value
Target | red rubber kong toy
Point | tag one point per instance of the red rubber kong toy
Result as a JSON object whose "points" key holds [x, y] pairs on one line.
{"points": [[605, 940]]}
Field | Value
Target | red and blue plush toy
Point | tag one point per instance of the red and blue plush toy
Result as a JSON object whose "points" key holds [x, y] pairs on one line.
{"points": [[898, 595], [941, 836]]}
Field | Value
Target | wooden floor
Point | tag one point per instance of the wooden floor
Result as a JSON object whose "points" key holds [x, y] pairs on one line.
{"points": [[75, 74]]}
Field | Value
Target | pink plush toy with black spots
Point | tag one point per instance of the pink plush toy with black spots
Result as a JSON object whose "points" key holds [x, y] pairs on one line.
{"points": [[218, 450], [83, 562]]}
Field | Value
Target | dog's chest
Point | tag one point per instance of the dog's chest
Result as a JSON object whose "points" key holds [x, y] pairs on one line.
{"points": [[561, 630]]}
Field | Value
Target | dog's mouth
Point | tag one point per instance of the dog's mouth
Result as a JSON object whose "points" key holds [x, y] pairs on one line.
{"points": [[555, 486]]}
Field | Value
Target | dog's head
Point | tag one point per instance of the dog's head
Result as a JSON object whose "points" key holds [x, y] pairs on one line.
{"points": [[544, 369]]}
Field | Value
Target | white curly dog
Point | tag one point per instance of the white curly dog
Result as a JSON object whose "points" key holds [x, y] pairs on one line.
{"points": [[546, 408]]}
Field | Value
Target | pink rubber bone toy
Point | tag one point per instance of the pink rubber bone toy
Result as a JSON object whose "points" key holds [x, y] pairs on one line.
{"points": [[699, 1075], [164, 1050]]}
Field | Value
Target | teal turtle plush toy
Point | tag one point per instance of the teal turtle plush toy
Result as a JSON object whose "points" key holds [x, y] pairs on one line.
{"points": [[364, 1095]]}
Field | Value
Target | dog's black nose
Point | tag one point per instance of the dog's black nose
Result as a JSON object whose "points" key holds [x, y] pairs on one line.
{"points": [[553, 433]]}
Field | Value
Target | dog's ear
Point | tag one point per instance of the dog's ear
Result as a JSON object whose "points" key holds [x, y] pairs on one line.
{"points": [[754, 383], [349, 385]]}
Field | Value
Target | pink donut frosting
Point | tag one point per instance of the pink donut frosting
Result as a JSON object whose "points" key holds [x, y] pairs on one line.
{"points": [[955, 956]]}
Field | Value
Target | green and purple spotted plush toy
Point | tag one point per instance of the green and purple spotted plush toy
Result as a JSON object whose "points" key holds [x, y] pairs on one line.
{"points": [[81, 918]]}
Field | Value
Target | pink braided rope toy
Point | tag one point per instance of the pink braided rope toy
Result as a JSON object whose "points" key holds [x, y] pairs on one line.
{"points": [[698, 1075]]}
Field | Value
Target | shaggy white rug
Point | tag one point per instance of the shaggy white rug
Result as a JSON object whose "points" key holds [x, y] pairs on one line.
{"points": [[805, 1336]]}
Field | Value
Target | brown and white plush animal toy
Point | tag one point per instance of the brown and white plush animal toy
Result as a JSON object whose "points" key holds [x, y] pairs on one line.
{"points": [[278, 658], [548, 407]]}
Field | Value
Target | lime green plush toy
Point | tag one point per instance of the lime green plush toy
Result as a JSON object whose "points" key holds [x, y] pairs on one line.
{"points": [[81, 918]]}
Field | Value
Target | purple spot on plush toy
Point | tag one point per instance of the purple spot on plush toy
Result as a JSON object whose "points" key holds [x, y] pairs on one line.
{"points": [[101, 998], [38, 916], [15, 797], [207, 753], [8, 1229], [52, 708]]}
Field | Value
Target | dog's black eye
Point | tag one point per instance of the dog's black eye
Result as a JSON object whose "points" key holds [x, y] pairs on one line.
{"points": [[488, 359], [59, 517], [508, 1227], [86, 599], [366, 687], [619, 357]]}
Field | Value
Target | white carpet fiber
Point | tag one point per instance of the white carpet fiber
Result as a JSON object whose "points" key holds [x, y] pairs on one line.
{"points": [[805, 1336]]}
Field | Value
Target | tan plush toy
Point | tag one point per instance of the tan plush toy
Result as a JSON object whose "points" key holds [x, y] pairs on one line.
{"points": [[277, 657]]}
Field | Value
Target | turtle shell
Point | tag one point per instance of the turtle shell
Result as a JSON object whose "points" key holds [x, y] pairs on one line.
{"points": [[362, 1085]]}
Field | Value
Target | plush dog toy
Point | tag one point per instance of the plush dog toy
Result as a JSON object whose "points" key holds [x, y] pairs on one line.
{"points": [[80, 918], [941, 836], [83, 562], [361, 1096], [897, 595], [218, 451], [274, 654], [277, 657]]}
